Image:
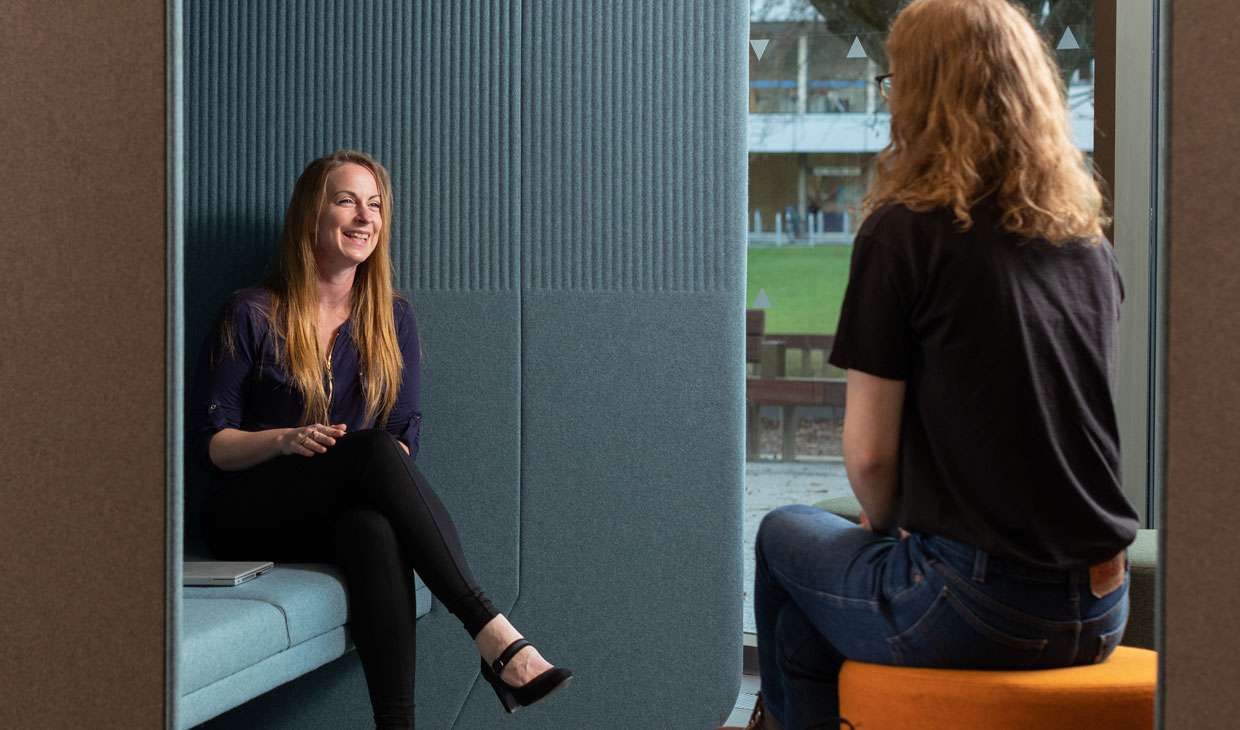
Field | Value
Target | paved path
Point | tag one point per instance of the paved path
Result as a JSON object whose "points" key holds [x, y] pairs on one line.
{"points": [[773, 484]]}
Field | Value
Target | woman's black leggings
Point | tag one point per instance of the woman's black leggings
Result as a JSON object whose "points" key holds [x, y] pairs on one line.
{"points": [[364, 506]]}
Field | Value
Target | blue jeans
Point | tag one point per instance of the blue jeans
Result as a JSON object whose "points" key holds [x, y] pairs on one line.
{"points": [[827, 590]]}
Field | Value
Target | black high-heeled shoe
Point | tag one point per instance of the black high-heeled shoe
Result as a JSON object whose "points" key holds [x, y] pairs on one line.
{"points": [[530, 692]]}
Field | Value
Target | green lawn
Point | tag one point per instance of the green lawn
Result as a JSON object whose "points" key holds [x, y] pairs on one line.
{"points": [[804, 285]]}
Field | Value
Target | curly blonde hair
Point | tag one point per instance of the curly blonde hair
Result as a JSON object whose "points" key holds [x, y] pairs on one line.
{"points": [[978, 109]]}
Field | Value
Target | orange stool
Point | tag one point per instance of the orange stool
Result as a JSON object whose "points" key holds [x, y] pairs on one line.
{"points": [[1117, 694]]}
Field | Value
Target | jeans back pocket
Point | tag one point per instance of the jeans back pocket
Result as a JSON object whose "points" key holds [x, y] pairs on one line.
{"points": [[950, 635], [1107, 643]]}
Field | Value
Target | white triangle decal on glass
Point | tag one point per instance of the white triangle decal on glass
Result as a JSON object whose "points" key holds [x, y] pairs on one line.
{"points": [[758, 47], [1068, 42], [761, 302], [856, 51]]}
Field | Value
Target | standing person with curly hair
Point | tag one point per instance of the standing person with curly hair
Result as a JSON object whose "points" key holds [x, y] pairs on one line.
{"points": [[305, 411], [979, 334]]}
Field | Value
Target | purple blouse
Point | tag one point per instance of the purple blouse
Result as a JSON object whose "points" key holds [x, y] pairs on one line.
{"points": [[247, 389]]}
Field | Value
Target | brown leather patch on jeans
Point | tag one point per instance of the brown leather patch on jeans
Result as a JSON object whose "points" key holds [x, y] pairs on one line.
{"points": [[1107, 577]]}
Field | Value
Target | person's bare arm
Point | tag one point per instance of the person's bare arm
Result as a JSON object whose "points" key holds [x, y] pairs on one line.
{"points": [[872, 444], [233, 449]]}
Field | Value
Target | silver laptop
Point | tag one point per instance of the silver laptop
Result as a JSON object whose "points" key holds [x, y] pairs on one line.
{"points": [[222, 573]]}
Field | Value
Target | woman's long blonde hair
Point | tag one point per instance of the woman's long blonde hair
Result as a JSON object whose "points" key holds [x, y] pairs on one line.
{"points": [[978, 109], [294, 311]]}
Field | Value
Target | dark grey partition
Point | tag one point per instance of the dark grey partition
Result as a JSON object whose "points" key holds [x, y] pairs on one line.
{"points": [[570, 229]]}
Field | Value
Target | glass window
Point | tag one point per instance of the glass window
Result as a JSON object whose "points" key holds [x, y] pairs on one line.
{"points": [[816, 124]]}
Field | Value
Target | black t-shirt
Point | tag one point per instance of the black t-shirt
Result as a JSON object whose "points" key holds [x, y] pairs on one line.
{"points": [[1008, 439]]}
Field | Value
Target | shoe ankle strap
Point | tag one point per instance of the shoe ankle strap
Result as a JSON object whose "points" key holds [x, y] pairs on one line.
{"points": [[506, 655]]}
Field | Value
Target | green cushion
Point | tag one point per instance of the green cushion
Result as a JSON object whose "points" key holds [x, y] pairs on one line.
{"points": [[847, 507], [1142, 591]]}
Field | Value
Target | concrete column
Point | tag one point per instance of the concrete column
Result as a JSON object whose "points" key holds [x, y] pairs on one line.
{"points": [[803, 189], [802, 74], [871, 89]]}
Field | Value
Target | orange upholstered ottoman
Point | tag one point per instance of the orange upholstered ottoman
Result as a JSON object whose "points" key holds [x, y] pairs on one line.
{"points": [[1117, 694]]}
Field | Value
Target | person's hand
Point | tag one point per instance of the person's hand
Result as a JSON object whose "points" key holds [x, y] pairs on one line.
{"points": [[310, 440]]}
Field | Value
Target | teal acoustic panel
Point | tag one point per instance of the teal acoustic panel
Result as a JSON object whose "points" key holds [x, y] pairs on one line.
{"points": [[633, 145], [632, 466], [633, 238], [429, 88]]}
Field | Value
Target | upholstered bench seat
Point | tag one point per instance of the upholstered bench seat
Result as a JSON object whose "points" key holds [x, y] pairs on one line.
{"points": [[240, 642], [225, 636], [1142, 566]]}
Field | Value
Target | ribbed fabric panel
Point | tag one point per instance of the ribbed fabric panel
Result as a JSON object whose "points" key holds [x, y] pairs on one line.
{"points": [[428, 88], [632, 122]]}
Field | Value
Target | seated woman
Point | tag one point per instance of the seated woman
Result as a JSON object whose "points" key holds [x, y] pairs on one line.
{"points": [[305, 410], [979, 334]]}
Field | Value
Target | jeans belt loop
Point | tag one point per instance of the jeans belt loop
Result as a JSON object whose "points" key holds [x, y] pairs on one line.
{"points": [[979, 566]]}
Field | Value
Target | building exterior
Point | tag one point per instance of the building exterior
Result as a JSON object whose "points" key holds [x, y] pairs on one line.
{"points": [[817, 121]]}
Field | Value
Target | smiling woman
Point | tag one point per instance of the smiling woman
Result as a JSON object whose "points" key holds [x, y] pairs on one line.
{"points": [[351, 218], [323, 277], [305, 411]]}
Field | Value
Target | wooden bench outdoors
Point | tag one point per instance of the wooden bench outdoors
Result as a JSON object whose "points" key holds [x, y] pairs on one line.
{"points": [[770, 386]]}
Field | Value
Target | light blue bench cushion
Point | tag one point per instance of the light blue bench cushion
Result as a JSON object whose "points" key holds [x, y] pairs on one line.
{"points": [[239, 642], [225, 635], [310, 595], [235, 689]]}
